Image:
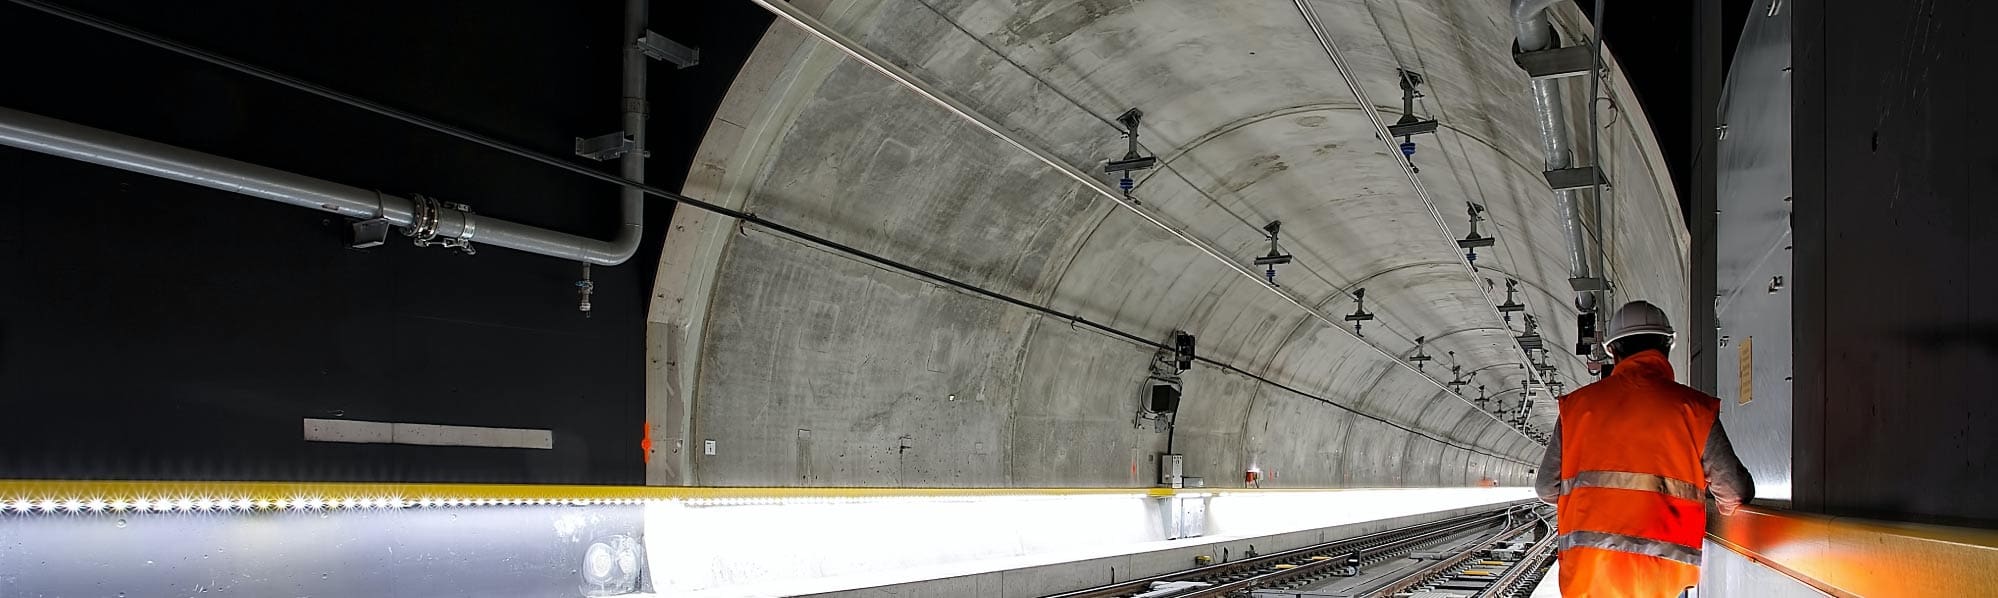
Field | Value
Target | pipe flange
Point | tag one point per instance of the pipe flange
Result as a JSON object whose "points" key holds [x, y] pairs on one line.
{"points": [[427, 213], [423, 220]]}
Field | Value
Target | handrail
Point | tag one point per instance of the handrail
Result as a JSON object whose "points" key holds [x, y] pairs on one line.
{"points": [[1847, 556]]}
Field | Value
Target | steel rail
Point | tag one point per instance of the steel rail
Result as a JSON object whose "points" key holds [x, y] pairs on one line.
{"points": [[1350, 548], [1528, 567], [1364, 556], [1420, 576]]}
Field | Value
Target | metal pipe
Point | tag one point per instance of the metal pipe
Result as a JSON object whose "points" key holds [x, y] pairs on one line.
{"points": [[798, 17], [637, 110], [85, 144], [1596, 152], [119, 151], [1534, 32], [1531, 26], [68, 140]]}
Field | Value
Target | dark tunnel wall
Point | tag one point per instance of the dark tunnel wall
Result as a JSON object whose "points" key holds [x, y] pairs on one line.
{"points": [[150, 329], [1897, 327]]}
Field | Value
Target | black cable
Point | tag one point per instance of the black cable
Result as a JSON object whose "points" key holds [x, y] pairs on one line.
{"points": [[357, 102], [1104, 328], [433, 125]]}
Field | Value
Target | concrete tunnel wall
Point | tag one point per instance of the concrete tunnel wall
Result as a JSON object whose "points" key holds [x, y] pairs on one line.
{"points": [[808, 367]]}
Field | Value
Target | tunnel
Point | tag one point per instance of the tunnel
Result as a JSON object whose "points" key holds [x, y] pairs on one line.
{"points": [[981, 298]]}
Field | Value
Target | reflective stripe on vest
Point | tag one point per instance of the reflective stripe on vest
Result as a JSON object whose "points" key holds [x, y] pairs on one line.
{"points": [[1625, 480], [1631, 544]]}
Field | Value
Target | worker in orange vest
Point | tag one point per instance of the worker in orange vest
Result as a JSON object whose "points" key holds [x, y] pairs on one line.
{"points": [[1633, 461]]}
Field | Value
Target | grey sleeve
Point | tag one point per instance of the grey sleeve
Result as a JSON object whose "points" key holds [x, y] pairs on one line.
{"points": [[1727, 479], [1547, 481]]}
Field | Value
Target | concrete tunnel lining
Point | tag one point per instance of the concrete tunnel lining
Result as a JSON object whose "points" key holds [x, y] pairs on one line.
{"points": [[931, 191]]}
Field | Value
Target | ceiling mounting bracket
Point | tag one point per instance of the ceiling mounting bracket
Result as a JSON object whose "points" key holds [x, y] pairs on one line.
{"points": [[1132, 160], [1360, 313], [372, 232], [1531, 341], [608, 146], [1557, 63], [1410, 125], [1512, 303], [1457, 380], [1275, 256], [657, 47], [1420, 358], [1471, 242]]}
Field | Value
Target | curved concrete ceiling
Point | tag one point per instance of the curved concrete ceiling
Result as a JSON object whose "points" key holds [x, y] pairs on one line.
{"points": [[805, 366]]}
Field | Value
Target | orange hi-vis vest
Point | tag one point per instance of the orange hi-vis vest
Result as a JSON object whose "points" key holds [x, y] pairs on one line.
{"points": [[1633, 493]]}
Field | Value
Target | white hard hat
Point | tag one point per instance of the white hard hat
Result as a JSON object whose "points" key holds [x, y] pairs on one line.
{"points": [[1638, 317]]}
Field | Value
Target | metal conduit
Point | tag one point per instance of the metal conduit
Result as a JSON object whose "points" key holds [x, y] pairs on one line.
{"points": [[1534, 32], [84, 144], [637, 109], [77, 142], [69, 140]]}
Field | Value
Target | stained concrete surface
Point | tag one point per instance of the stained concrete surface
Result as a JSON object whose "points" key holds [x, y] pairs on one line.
{"points": [[1896, 329], [812, 368]]}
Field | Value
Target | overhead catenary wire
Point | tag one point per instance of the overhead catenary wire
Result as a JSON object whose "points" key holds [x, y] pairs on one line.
{"points": [[1345, 71], [747, 217], [1442, 113], [1457, 172], [1443, 116], [1106, 329], [903, 77], [1165, 165], [1341, 291]]}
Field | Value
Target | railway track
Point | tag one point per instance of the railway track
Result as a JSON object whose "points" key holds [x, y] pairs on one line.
{"points": [[1305, 572], [1523, 575], [1473, 571]]}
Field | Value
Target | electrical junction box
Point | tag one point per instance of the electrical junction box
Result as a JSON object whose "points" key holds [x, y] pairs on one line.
{"points": [[1171, 473]]}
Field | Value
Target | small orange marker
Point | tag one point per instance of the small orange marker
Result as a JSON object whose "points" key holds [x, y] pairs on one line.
{"points": [[645, 444]]}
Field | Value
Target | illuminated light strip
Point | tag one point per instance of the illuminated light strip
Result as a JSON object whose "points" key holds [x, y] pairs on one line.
{"points": [[73, 496], [76, 497]]}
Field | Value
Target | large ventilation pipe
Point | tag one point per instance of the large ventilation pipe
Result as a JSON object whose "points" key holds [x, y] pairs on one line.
{"points": [[77, 142], [1535, 32]]}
